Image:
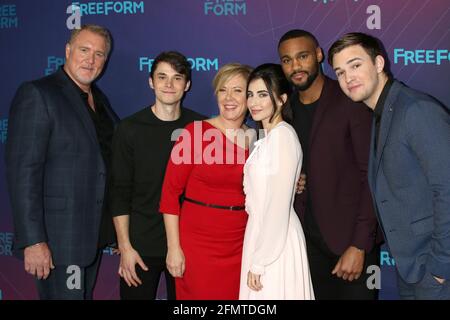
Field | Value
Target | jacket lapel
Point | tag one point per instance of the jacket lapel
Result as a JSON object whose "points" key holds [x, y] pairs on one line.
{"points": [[386, 122], [104, 100], [325, 95], [77, 104], [372, 160]]}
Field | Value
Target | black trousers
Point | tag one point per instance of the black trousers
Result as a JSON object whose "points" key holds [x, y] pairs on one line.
{"points": [[70, 282], [328, 286], [150, 281]]}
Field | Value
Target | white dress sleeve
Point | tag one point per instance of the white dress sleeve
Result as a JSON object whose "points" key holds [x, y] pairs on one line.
{"points": [[281, 159]]}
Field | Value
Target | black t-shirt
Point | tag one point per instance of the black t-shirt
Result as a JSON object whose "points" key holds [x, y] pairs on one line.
{"points": [[141, 148], [302, 123]]}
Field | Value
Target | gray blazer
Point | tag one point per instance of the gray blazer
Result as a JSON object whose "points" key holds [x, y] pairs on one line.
{"points": [[55, 171], [410, 181]]}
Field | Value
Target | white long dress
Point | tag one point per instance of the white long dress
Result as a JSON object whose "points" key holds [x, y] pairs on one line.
{"points": [[274, 243]]}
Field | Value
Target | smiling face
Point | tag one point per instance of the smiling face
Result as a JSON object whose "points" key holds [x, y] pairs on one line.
{"points": [[260, 104], [359, 76], [232, 98], [169, 85], [85, 58], [300, 59]]}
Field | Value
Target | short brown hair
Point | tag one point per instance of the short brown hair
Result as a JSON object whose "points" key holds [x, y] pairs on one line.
{"points": [[371, 45], [101, 31], [177, 60], [228, 71]]}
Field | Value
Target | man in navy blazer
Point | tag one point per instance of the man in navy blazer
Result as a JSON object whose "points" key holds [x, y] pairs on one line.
{"points": [[409, 171], [57, 158]]}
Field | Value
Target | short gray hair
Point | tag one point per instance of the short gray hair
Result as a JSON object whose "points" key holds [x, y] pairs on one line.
{"points": [[99, 30]]}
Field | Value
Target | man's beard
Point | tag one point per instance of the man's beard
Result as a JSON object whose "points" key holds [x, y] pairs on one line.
{"points": [[309, 80]]}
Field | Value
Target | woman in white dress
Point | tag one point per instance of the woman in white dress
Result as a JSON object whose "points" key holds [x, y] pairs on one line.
{"points": [[274, 262]]}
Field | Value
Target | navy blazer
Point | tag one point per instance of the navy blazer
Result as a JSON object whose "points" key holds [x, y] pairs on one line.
{"points": [[409, 177], [55, 171]]}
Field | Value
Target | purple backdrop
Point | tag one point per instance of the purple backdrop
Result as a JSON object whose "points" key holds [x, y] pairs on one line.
{"points": [[211, 33]]}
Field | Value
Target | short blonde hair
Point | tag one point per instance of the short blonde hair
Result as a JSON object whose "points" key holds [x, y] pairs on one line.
{"points": [[99, 30], [228, 71]]}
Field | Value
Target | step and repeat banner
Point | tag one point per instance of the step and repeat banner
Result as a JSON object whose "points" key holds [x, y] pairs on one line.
{"points": [[416, 34]]}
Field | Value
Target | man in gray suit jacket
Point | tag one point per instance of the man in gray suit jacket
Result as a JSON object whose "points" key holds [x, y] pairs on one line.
{"points": [[409, 170], [57, 158]]}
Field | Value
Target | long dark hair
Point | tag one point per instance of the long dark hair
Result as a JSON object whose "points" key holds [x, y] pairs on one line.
{"points": [[277, 85]]}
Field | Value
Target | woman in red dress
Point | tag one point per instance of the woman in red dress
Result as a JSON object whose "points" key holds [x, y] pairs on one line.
{"points": [[205, 233]]}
